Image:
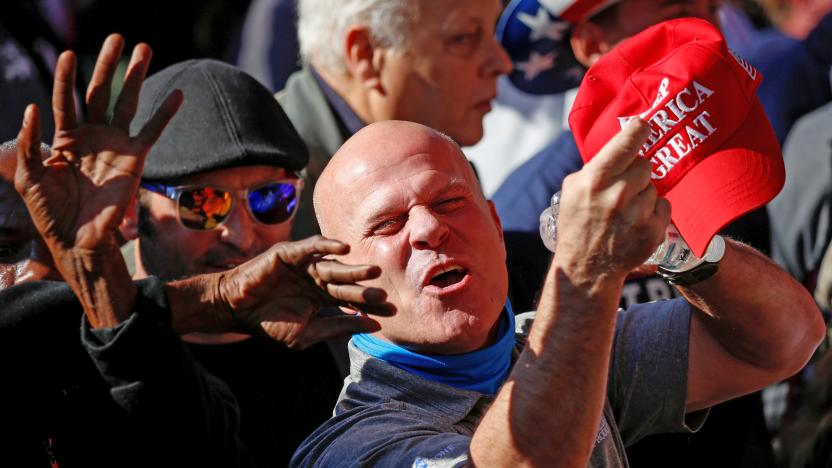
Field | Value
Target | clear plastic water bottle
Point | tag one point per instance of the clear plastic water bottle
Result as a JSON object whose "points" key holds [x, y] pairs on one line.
{"points": [[673, 254]]}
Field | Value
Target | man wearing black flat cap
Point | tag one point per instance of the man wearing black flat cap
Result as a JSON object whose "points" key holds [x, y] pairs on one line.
{"points": [[218, 188], [123, 388]]}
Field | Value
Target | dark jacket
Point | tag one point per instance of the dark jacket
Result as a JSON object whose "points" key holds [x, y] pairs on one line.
{"points": [[127, 396]]}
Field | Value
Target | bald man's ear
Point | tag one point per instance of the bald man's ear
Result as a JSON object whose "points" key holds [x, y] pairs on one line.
{"points": [[363, 58], [496, 218], [129, 227], [589, 43]]}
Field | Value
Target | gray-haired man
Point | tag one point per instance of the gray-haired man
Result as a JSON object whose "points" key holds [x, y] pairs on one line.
{"points": [[434, 63]]}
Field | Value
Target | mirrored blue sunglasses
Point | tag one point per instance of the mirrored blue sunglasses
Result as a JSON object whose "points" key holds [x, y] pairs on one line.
{"points": [[206, 207]]}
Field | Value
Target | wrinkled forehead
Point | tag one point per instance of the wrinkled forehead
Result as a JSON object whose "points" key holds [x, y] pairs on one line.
{"points": [[447, 16], [423, 174], [448, 13], [417, 179], [393, 160]]}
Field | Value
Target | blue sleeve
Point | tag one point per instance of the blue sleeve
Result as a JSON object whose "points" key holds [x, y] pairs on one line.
{"points": [[527, 191], [649, 368], [387, 435], [796, 79]]}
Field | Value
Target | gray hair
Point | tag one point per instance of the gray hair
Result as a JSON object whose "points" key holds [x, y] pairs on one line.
{"points": [[11, 145], [322, 25]]}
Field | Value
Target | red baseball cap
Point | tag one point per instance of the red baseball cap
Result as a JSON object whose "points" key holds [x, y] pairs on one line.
{"points": [[714, 154]]}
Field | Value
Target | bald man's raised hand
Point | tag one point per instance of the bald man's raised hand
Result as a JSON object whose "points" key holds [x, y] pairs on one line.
{"points": [[611, 218], [77, 196], [280, 292]]}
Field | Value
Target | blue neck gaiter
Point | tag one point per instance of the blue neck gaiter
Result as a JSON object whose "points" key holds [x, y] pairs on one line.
{"points": [[482, 371]]}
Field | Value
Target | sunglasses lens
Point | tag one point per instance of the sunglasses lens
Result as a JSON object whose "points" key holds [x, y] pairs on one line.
{"points": [[273, 203], [204, 208]]}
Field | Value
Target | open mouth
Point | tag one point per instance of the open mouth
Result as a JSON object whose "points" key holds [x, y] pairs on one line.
{"points": [[448, 277]]}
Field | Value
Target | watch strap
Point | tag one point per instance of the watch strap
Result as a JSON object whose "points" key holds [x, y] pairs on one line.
{"points": [[694, 275]]}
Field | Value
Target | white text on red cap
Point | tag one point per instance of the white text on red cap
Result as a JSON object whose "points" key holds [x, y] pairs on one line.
{"points": [[686, 101]]}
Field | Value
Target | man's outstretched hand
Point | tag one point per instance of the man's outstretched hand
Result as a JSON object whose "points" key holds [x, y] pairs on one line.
{"points": [[77, 196], [280, 292]]}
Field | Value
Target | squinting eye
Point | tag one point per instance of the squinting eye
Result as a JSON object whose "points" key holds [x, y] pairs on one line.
{"points": [[390, 226], [449, 204]]}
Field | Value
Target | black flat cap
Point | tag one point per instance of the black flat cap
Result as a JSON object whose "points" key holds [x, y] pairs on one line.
{"points": [[228, 119]]}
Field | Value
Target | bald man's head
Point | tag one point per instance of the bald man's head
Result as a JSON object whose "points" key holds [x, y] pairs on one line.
{"points": [[404, 198], [23, 255], [379, 146]]}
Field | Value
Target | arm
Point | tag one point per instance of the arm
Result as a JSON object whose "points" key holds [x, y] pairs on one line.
{"points": [[755, 325], [77, 198], [566, 362], [166, 407], [175, 411], [278, 294]]}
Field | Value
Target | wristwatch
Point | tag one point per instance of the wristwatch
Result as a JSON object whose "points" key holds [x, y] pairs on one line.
{"points": [[703, 269]]}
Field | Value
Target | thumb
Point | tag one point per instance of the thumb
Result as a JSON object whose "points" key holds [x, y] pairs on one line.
{"points": [[29, 157]]}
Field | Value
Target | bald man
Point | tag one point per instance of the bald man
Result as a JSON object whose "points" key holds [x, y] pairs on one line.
{"points": [[455, 378], [23, 255]]}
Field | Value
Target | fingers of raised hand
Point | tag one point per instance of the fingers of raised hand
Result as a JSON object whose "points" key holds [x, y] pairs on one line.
{"points": [[612, 182], [647, 220], [622, 149], [98, 91], [663, 212], [305, 250], [641, 208], [63, 93], [632, 182], [128, 99], [333, 271], [157, 123]]}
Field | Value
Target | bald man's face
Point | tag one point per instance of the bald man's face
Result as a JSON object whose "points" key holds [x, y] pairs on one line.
{"points": [[23, 255], [422, 218]]}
